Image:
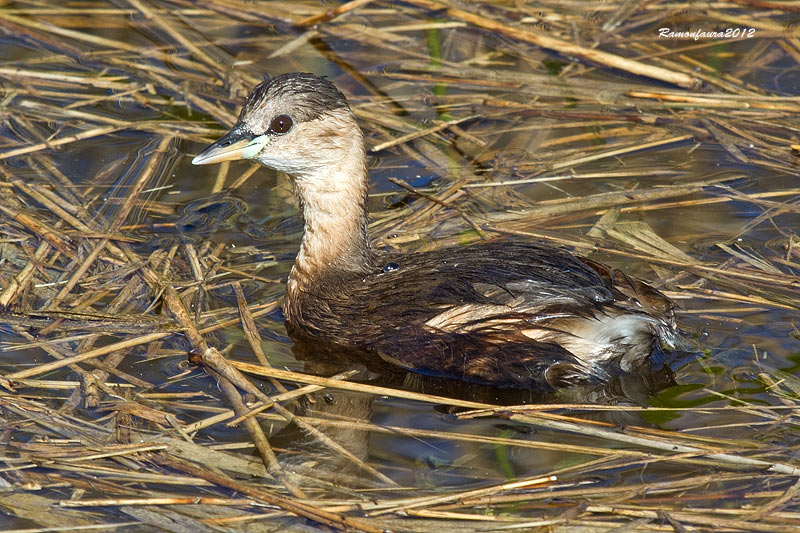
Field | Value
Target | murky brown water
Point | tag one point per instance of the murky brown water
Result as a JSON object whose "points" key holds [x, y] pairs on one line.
{"points": [[739, 326]]}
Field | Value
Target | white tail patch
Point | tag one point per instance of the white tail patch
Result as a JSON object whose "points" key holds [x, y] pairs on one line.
{"points": [[595, 340], [592, 340]]}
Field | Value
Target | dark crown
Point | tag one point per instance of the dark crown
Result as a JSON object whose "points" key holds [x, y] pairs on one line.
{"points": [[307, 96]]}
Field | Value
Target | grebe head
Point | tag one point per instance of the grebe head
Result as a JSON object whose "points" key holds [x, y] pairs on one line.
{"points": [[301, 124], [297, 123]]}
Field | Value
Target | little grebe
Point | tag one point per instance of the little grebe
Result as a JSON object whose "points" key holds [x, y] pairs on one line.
{"points": [[502, 313]]}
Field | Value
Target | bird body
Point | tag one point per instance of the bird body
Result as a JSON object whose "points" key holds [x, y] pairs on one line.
{"points": [[505, 313]]}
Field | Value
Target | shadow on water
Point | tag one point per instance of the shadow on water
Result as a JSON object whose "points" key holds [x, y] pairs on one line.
{"points": [[343, 413]]}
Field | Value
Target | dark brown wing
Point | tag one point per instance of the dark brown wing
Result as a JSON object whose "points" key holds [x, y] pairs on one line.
{"points": [[490, 313]]}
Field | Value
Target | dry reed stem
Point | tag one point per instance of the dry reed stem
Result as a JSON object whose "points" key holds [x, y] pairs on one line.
{"points": [[172, 31], [436, 500], [22, 278], [228, 385], [419, 134], [332, 13], [552, 422], [289, 395], [211, 358], [47, 232], [102, 42], [92, 354], [563, 47], [88, 134], [260, 441], [313, 513]]}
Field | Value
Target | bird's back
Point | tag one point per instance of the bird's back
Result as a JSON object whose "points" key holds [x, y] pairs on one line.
{"points": [[507, 313]]}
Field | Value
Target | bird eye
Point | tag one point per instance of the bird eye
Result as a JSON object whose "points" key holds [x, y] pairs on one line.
{"points": [[280, 124]]}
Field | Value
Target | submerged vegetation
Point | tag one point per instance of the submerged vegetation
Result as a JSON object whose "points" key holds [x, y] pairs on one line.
{"points": [[146, 378]]}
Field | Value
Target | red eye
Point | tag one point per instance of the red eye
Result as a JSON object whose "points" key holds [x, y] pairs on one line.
{"points": [[280, 124]]}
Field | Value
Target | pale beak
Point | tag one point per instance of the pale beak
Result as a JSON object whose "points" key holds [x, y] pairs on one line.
{"points": [[236, 144]]}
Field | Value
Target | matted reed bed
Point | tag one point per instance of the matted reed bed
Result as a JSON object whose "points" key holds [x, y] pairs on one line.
{"points": [[147, 383]]}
